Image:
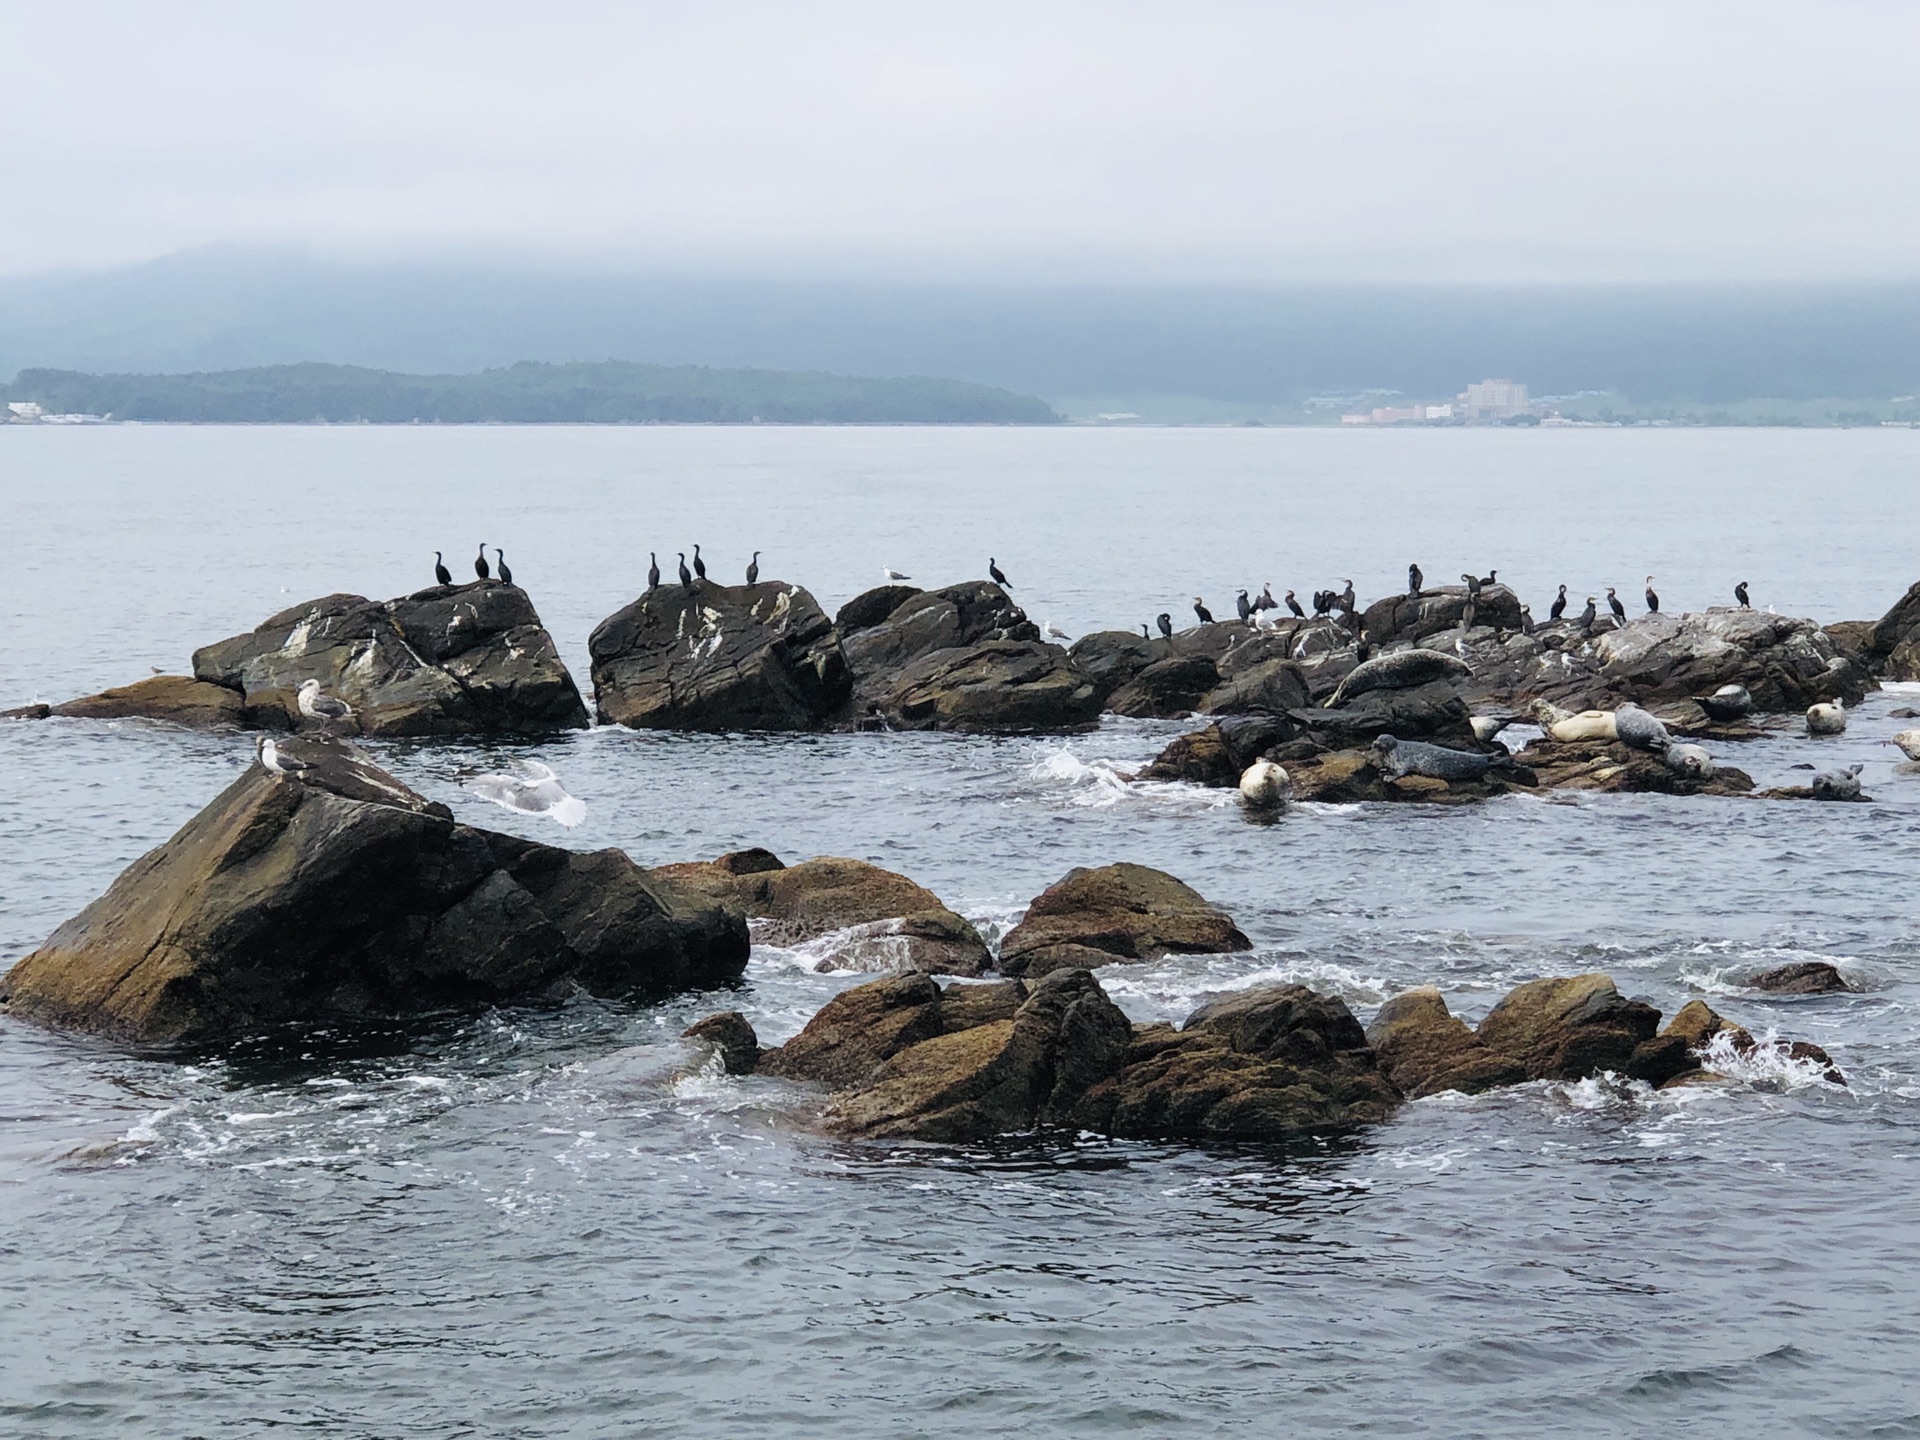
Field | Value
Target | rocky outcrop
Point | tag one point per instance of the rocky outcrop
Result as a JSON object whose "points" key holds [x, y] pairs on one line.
{"points": [[1412, 618], [1221, 753], [1351, 777], [1891, 645], [1110, 658], [954, 617], [1115, 913], [1424, 1048], [336, 893], [719, 657], [1803, 977], [1167, 688], [1569, 1028], [1001, 685], [177, 698], [879, 920], [1613, 767], [730, 1036], [870, 607], [1702, 1033]]}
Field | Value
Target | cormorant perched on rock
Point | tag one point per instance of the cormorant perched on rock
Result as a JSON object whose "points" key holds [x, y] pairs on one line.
{"points": [[1472, 582], [480, 562], [699, 565], [1294, 606], [1653, 600], [1526, 621], [998, 575], [1243, 605], [1266, 600], [1469, 613], [1588, 615], [1492, 577], [1346, 598], [686, 575], [753, 569], [1143, 631], [1165, 622], [500, 557], [1414, 579], [1613, 604], [1199, 609], [1322, 601], [1740, 594], [653, 571], [1559, 606], [440, 571]]}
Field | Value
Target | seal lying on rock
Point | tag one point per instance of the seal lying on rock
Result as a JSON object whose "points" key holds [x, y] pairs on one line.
{"points": [[1635, 727], [1416, 757], [1840, 784], [1728, 703], [1691, 761], [1401, 670], [1826, 719], [1564, 726]]}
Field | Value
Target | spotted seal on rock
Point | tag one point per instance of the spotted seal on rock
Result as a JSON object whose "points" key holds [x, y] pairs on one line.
{"points": [[1727, 704], [1564, 725], [1635, 727], [1264, 785], [1690, 762], [1402, 670], [1825, 719], [1840, 784], [1416, 757]]}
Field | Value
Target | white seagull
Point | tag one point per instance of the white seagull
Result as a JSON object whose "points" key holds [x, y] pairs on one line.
{"points": [[272, 761], [533, 789], [1053, 631], [316, 706], [893, 574]]}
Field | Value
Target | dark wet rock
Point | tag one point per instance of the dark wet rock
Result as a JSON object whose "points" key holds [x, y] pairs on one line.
{"points": [[1698, 1026], [719, 657], [339, 893], [1272, 1063], [1568, 1028], [1611, 767], [177, 698], [855, 1032], [1220, 754], [870, 607], [880, 920], [1001, 685], [1167, 688], [964, 1006], [1005, 1075], [732, 1037], [1892, 643], [450, 660], [1115, 913], [1110, 658], [955, 617], [1804, 977], [1414, 618], [1423, 1048], [1433, 711], [1270, 687]]}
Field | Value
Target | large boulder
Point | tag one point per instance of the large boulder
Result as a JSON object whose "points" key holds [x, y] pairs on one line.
{"points": [[336, 892], [1005, 1075], [1424, 1048], [955, 617], [1276, 1062], [1787, 663], [179, 698], [1432, 711], [1110, 658], [453, 659], [719, 657], [1892, 643], [999, 685], [1220, 754], [878, 920], [870, 607], [1115, 913], [1166, 688], [1569, 1028], [1415, 617]]}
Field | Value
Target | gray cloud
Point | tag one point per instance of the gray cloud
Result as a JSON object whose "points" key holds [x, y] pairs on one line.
{"points": [[1104, 141]]}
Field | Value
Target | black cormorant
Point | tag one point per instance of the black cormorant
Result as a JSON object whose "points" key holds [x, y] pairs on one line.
{"points": [[686, 575], [1740, 594], [699, 565], [1243, 605], [1294, 606], [1492, 577], [1346, 598], [440, 571], [999, 576], [753, 569], [480, 562], [1165, 622], [1472, 583], [500, 556], [1559, 606], [1206, 615], [1613, 604], [1587, 615], [1143, 631], [1653, 600], [1414, 579], [653, 571]]}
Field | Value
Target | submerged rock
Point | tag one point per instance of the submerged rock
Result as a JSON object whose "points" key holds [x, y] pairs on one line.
{"points": [[1115, 913], [337, 892], [881, 920], [731, 1036], [1803, 977], [450, 660], [719, 657]]}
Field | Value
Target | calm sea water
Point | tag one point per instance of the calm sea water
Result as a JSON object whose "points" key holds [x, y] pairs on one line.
{"points": [[554, 1224]]}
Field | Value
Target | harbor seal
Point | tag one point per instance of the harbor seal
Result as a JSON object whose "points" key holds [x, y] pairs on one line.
{"points": [[1826, 719], [1265, 786], [1485, 727], [1840, 784], [1909, 743], [1690, 762], [1402, 670], [1415, 757], [1635, 727], [1727, 704], [1587, 725]]}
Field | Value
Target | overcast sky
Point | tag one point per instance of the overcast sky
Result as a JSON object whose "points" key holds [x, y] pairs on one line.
{"points": [[1264, 142]]}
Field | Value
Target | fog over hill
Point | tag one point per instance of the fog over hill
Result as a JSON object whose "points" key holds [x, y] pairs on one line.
{"points": [[1241, 347]]}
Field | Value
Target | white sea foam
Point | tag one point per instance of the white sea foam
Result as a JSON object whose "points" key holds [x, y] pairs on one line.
{"points": [[1767, 1062]]}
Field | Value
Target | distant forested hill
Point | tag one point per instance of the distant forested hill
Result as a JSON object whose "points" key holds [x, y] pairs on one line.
{"points": [[610, 392]]}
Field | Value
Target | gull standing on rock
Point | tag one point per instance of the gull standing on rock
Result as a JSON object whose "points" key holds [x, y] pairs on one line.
{"points": [[892, 574], [1054, 632], [272, 761], [324, 708]]}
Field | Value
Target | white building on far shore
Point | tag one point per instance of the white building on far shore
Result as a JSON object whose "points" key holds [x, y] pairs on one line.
{"points": [[1495, 400]]}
